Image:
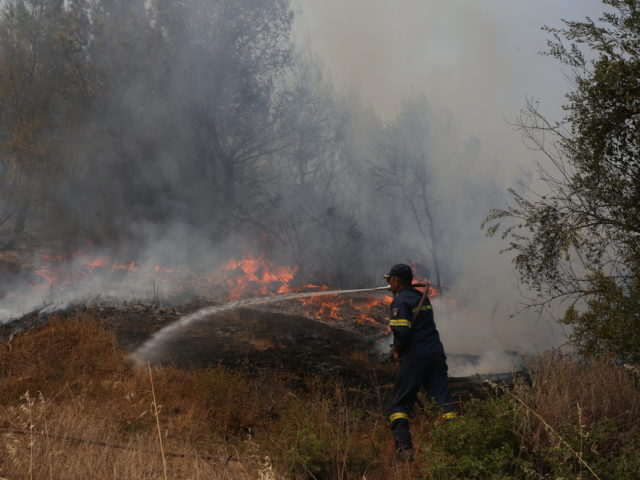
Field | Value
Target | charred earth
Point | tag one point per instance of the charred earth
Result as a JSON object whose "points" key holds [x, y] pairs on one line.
{"points": [[272, 337]]}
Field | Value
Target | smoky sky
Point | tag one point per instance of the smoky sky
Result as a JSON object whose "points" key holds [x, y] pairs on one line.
{"points": [[475, 62], [476, 59]]}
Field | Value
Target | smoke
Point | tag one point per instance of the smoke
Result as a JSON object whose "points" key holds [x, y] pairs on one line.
{"points": [[158, 273], [196, 131], [490, 362], [475, 63], [476, 60]]}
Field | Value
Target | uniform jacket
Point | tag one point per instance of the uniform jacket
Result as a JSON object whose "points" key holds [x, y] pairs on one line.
{"points": [[414, 338]]}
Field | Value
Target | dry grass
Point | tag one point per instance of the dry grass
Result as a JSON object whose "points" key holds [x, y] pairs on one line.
{"points": [[69, 443], [573, 396], [61, 355], [73, 406]]}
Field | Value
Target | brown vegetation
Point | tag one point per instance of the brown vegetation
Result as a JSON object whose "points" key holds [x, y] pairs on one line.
{"points": [[72, 405], [568, 392], [580, 414]]}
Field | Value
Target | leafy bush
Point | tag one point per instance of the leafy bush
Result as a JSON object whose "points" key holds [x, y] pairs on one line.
{"points": [[610, 324], [309, 454], [480, 445]]}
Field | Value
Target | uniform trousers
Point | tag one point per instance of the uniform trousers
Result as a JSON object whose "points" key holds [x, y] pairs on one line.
{"points": [[430, 371]]}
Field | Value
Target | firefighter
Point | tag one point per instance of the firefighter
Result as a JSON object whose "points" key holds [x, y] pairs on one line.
{"points": [[418, 351]]}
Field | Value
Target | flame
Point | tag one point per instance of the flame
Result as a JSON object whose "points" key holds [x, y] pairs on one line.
{"points": [[256, 275], [372, 305], [420, 277], [132, 266], [56, 270], [47, 274], [98, 262], [249, 276], [340, 308], [238, 277]]}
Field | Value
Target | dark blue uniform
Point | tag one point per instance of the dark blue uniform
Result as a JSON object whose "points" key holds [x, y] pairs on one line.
{"points": [[423, 362]]}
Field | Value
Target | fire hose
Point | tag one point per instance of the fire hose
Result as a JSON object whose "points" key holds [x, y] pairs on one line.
{"points": [[425, 285]]}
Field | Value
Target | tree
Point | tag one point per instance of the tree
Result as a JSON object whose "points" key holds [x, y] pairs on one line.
{"points": [[33, 87], [232, 57], [578, 239], [295, 200], [406, 172]]}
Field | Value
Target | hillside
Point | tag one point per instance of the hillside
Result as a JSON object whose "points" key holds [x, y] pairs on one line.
{"points": [[254, 394], [248, 395]]}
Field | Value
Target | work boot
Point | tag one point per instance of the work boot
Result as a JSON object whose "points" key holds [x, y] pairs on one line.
{"points": [[406, 455], [445, 418], [449, 417]]}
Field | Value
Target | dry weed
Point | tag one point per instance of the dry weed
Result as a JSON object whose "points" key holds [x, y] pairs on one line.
{"points": [[57, 356], [73, 406], [565, 391], [45, 440], [90, 413]]}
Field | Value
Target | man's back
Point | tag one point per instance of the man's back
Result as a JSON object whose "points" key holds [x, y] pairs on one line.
{"points": [[414, 337]]}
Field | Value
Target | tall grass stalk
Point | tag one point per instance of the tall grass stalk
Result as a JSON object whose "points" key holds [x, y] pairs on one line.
{"points": [[578, 455], [155, 409]]}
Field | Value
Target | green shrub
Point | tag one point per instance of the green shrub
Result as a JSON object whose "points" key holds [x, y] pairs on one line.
{"points": [[624, 467], [324, 434], [309, 454], [480, 445], [586, 441]]}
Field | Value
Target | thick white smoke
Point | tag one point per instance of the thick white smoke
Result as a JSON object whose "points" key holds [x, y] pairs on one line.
{"points": [[476, 63]]}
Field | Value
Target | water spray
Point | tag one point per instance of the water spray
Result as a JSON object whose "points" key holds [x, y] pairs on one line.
{"points": [[150, 350]]}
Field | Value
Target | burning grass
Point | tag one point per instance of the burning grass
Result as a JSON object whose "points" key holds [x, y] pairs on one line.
{"points": [[59, 281]]}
